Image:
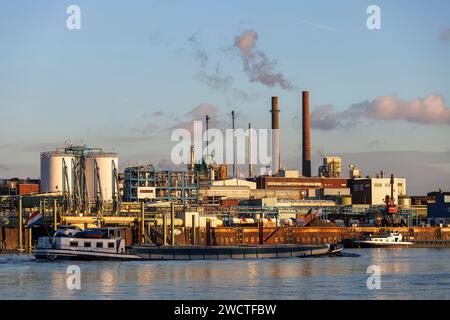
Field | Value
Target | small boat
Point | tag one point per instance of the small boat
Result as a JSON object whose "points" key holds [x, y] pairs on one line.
{"points": [[109, 247], [392, 239], [335, 249]]}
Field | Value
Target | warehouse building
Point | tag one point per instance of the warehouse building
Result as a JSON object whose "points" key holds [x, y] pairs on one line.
{"points": [[372, 191], [308, 187], [438, 208]]}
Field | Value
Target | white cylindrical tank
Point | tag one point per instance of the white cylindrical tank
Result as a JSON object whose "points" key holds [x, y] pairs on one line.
{"points": [[105, 167], [52, 177]]}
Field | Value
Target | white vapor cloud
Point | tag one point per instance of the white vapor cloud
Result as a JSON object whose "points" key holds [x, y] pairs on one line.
{"points": [[256, 64]]}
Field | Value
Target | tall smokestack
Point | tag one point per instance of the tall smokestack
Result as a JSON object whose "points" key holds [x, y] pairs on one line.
{"points": [[275, 136], [250, 150], [306, 136]]}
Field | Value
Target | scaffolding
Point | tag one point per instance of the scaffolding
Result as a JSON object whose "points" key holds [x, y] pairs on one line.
{"points": [[178, 186]]}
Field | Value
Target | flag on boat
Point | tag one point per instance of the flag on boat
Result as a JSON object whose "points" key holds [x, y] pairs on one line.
{"points": [[35, 219]]}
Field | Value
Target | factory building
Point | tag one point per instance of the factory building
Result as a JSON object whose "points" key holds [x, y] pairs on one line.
{"points": [[19, 187], [331, 167], [234, 183], [309, 187], [27, 188], [143, 183], [214, 194], [438, 208], [372, 191]]}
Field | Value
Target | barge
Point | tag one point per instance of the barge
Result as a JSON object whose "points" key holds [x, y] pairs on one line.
{"points": [[242, 252]]}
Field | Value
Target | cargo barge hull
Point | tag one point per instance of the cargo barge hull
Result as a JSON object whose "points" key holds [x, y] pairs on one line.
{"points": [[149, 252]]}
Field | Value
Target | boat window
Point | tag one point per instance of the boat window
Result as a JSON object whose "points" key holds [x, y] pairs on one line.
{"points": [[74, 243], [87, 244], [110, 244], [99, 244]]}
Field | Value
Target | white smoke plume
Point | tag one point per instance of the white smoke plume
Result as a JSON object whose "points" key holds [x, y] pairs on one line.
{"points": [[256, 64]]}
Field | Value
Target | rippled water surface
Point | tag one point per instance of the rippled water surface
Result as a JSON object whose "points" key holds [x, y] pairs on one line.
{"points": [[405, 274]]}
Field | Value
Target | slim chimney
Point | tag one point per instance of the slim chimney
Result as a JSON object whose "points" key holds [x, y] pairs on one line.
{"points": [[234, 147], [306, 136], [275, 136], [207, 138], [192, 158], [250, 150]]}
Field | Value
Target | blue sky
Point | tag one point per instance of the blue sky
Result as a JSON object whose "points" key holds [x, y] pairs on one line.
{"points": [[104, 83]]}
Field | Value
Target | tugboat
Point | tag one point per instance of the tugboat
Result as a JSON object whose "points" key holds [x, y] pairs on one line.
{"points": [[392, 239], [95, 244]]}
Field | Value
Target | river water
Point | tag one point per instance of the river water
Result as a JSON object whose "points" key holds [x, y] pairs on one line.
{"points": [[404, 274]]}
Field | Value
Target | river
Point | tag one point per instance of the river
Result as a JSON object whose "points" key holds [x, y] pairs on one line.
{"points": [[404, 274]]}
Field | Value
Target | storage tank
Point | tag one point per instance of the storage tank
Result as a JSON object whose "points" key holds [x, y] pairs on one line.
{"points": [[104, 163], [52, 177], [346, 200], [404, 201]]}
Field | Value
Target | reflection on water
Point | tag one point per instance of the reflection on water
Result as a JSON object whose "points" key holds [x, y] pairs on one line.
{"points": [[406, 274]]}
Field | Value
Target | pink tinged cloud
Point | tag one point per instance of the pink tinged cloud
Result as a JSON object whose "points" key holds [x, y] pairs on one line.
{"points": [[430, 110]]}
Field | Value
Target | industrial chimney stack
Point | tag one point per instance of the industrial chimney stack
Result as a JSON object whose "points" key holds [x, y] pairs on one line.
{"points": [[306, 136], [275, 136]]}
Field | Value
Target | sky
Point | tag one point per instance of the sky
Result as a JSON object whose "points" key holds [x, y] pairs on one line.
{"points": [[138, 69]]}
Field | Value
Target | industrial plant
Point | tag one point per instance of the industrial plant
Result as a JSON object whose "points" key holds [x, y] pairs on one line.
{"points": [[210, 204]]}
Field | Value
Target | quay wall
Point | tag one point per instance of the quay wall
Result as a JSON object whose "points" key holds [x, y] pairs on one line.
{"points": [[223, 236], [308, 235]]}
